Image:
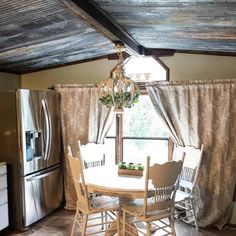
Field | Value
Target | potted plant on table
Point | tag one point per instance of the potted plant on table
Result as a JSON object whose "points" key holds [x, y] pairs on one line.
{"points": [[130, 169]]}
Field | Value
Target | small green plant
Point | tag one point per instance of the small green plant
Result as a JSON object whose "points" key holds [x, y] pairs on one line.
{"points": [[139, 166], [131, 166], [122, 165], [123, 100]]}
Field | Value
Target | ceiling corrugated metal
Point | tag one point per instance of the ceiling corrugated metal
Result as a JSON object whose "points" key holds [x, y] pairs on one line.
{"points": [[40, 34], [36, 34]]}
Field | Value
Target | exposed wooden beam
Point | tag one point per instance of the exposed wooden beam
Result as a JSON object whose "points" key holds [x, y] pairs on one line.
{"points": [[170, 52], [114, 56], [10, 71], [216, 53], [97, 18], [158, 52]]}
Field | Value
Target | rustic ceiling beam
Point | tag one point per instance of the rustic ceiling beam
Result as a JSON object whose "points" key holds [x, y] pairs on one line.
{"points": [[114, 56], [170, 52], [97, 18], [158, 52], [11, 71], [213, 53]]}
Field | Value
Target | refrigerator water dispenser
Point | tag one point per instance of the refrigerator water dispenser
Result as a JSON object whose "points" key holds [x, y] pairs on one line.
{"points": [[33, 144]]}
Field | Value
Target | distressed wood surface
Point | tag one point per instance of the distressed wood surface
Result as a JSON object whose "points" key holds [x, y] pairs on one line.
{"points": [[102, 22], [184, 24], [40, 34], [36, 34]]}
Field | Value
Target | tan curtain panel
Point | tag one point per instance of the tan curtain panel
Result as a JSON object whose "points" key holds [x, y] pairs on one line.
{"points": [[82, 118], [204, 112]]}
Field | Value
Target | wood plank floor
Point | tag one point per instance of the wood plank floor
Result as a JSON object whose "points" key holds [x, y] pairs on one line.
{"points": [[59, 223]]}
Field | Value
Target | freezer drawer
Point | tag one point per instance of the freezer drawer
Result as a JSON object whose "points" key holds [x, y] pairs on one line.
{"points": [[42, 193]]}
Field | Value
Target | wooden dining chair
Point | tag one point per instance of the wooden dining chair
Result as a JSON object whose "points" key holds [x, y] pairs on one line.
{"points": [[95, 163], [184, 199], [161, 183], [88, 212], [93, 155]]}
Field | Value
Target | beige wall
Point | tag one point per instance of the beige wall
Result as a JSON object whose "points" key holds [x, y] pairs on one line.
{"points": [[9, 81], [192, 66], [90, 72], [182, 67]]}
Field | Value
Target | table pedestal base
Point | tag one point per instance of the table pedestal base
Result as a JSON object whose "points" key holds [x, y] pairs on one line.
{"points": [[112, 230]]}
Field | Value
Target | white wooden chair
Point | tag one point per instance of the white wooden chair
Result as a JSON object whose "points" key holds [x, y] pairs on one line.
{"points": [[89, 210], [184, 199], [152, 211], [93, 155]]}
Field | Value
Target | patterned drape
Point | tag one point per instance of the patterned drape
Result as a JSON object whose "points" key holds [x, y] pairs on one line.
{"points": [[82, 118], [204, 112]]}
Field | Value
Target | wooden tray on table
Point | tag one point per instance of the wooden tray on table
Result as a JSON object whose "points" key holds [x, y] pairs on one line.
{"points": [[128, 172]]}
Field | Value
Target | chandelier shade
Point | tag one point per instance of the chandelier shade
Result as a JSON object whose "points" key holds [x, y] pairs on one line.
{"points": [[118, 91]]}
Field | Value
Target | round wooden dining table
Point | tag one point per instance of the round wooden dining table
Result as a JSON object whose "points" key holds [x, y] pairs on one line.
{"points": [[106, 181]]}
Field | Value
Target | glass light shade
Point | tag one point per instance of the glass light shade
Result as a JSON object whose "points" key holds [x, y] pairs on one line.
{"points": [[118, 91]]}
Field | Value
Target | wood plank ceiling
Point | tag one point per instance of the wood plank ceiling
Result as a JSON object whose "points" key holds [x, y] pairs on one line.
{"points": [[36, 34], [41, 34], [181, 25]]}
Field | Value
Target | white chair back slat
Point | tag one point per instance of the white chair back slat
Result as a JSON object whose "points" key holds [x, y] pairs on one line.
{"points": [[93, 155], [184, 201], [192, 161]]}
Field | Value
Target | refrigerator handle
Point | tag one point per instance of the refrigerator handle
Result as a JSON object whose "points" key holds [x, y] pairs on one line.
{"points": [[48, 130], [38, 176]]}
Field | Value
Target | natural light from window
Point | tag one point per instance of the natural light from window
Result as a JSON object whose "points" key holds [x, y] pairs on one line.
{"points": [[144, 69], [144, 134]]}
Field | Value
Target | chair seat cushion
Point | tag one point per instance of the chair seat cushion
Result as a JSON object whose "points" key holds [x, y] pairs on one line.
{"points": [[104, 203], [181, 196], [136, 208]]}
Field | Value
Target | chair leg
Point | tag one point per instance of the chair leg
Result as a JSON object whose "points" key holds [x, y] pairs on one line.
{"points": [[106, 220], [102, 218], [172, 226], [123, 223], [148, 228], [118, 222], [84, 225], [74, 222], [194, 213]]}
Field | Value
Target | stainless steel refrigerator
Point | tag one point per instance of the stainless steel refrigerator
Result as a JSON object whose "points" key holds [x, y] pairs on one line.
{"points": [[30, 143]]}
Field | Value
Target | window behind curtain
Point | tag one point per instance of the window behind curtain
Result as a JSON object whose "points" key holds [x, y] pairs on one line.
{"points": [[143, 132]]}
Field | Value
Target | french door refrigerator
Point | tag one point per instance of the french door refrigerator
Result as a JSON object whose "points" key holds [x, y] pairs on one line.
{"points": [[30, 143]]}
